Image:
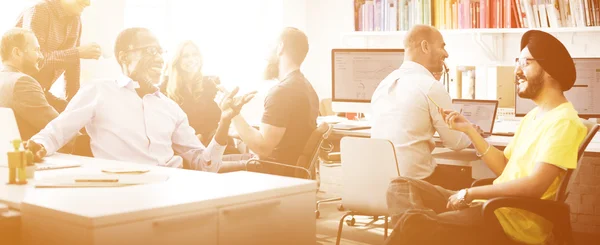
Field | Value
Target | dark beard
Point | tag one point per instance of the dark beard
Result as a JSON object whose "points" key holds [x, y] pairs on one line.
{"points": [[534, 87], [143, 75], [271, 71]]}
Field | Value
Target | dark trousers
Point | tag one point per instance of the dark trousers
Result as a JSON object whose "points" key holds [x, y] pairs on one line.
{"points": [[451, 177], [419, 216]]}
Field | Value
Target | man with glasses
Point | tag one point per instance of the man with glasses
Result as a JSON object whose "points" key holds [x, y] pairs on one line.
{"points": [[403, 110], [128, 119], [532, 165], [21, 59], [57, 26]]}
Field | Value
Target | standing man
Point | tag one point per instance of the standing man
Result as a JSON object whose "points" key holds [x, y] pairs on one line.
{"points": [[291, 106], [57, 26]]}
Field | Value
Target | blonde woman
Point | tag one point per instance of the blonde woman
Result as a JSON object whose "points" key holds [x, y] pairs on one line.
{"points": [[185, 84]]}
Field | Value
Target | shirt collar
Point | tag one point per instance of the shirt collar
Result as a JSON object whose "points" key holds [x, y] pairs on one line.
{"points": [[10, 68], [126, 82], [291, 75], [407, 64], [58, 9]]}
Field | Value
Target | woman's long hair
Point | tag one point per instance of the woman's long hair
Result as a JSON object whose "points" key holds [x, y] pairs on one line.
{"points": [[176, 84]]}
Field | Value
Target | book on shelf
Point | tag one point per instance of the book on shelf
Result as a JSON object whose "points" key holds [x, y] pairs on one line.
{"points": [[394, 15]]}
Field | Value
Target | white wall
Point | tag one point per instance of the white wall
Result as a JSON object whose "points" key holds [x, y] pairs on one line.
{"points": [[330, 24], [324, 22], [102, 22]]}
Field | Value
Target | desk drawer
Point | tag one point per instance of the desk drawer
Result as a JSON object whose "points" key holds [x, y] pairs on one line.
{"points": [[189, 228], [284, 220]]}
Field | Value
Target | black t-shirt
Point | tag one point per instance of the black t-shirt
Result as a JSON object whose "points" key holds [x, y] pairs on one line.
{"points": [[292, 104]]}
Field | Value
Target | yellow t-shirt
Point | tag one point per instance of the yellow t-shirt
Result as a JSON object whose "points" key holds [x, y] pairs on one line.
{"points": [[554, 138]]}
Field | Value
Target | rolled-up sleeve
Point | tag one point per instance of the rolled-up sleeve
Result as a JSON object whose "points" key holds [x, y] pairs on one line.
{"points": [[38, 19], [188, 146], [451, 139]]}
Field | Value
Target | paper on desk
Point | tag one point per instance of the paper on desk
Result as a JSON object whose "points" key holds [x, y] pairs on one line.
{"points": [[69, 180]]}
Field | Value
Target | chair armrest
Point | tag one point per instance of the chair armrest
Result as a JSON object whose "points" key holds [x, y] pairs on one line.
{"points": [[556, 212], [258, 162], [482, 182], [334, 157]]}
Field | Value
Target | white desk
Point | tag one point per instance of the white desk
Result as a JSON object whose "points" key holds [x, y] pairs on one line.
{"points": [[191, 207], [593, 148]]}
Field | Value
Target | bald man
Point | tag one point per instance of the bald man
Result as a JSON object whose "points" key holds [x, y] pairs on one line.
{"points": [[404, 114]]}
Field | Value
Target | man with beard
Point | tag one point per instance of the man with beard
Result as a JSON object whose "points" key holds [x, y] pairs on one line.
{"points": [[291, 107], [21, 59], [57, 26], [403, 111], [532, 165], [128, 119]]}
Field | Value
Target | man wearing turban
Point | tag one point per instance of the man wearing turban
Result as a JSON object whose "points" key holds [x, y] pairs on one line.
{"points": [[532, 165]]}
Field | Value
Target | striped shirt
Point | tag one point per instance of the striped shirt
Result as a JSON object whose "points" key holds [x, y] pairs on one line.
{"points": [[58, 34]]}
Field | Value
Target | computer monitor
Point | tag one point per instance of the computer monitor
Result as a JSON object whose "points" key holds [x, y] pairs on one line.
{"points": [[356, 74], [581, 95]]}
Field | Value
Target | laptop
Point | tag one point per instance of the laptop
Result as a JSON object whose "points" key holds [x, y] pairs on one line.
{"points": [[10, 131], [479, 112]]}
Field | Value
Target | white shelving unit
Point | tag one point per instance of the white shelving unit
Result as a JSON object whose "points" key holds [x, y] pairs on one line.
{"points": [[494, 44], [483, 48]]}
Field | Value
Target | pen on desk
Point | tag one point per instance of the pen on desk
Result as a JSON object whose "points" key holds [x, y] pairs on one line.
{"points": [[97, 180]]}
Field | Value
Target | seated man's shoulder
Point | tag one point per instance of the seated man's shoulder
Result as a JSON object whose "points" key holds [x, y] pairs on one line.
{"points": [[566, 121], [24, 78], [170, 102], [280, 90], [100, 84]]}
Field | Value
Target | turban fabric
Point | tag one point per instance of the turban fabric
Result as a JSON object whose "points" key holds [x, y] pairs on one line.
{"points": [[552, 56]]}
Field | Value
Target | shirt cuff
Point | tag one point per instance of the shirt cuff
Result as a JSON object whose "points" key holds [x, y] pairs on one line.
{"points": [[50, 149], [215, 153]]}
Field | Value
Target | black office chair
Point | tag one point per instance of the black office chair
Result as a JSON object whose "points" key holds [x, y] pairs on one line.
{"points": [[307, 165], [555, 211]]}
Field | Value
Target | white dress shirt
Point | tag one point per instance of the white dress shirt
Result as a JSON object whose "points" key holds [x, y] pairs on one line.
{"points": [[403, 114], [122, 126]]}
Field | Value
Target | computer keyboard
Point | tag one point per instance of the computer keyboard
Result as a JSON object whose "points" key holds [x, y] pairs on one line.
{"points": [[352, 125]]}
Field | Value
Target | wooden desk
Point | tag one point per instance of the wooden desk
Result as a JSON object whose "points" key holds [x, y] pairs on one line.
{"points": [[191, 207]]}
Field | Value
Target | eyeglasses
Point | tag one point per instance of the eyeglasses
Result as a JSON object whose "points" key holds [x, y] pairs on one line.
{"points": [[150, 50], [522, 62]]}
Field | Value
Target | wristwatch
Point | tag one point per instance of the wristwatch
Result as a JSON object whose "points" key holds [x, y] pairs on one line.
{"points": [[462, 194]]}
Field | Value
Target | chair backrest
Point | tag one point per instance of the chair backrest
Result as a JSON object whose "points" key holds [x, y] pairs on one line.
{"points": [[325, 107], [567, 181], [368, 166], [310, 155], [8, 131]]}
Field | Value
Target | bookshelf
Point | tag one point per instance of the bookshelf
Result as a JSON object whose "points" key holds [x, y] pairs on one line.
{"points": [[392, 15], [493, 43], [488, 31]]}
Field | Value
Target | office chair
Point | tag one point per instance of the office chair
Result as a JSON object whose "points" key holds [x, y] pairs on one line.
{"points": [[307, 165], [369, 165], [556, 211]]}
